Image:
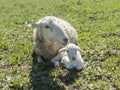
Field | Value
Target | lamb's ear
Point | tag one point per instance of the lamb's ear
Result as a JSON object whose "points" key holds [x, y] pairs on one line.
{"points": [[63, 49], [33, 25], [79, 49]]}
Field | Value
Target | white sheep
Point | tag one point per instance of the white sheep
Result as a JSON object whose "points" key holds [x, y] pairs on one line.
{"points": [[70, 56], [50, 35]]}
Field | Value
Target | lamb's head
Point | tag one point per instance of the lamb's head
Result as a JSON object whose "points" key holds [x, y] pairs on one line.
{"points": [[51, 30], [72, 50]]}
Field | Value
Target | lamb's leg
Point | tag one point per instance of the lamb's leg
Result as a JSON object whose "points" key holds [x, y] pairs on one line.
{"points": [[66, 63], [55, 60], [67, 66], [56, 63], [79, 67]]}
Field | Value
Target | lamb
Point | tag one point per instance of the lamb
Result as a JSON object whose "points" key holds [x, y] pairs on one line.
{"points": [[70, 56], [50, 35]]}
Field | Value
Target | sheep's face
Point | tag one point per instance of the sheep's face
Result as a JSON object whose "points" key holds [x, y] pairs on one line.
{"points": [[72, 50], [72, 53], [53, 32]]}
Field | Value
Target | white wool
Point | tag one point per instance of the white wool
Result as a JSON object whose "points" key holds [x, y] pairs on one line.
{"points": [[70, 57], [50, 35]]}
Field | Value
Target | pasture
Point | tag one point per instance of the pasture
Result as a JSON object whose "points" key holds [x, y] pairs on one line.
{"points": [[98, 25]]}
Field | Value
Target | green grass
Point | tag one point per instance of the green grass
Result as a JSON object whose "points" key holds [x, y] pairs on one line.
{"points": [[98, 26]]}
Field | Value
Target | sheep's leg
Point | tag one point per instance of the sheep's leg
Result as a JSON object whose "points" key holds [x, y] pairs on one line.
{"points": [[66, 64], [69, 67], [36, 58], [79, 67], [55, 61]]}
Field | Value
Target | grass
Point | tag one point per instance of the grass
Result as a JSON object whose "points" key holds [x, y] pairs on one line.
{"points": [[98, 26]]}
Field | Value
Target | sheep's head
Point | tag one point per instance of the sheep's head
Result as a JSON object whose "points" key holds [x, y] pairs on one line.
{"points": [[72, 51], [51, 30]]}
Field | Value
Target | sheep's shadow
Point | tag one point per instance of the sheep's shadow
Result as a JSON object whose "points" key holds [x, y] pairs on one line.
{"points": [[70, 77], [42, 78]]}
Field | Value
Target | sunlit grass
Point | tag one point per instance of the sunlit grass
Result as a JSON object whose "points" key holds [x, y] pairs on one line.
{"points": [[98, 26]]}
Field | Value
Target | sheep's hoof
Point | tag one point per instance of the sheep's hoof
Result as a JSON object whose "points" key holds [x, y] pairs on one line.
{"points": [[70, 68], [79, 68], [67, 67]]}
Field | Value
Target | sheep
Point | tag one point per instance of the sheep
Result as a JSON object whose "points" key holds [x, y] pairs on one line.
{"points": [[70, 56], [50, 35]]}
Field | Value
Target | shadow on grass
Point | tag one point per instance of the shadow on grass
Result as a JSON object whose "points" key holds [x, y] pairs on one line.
{"points": [[70, 77], [42, 77]]}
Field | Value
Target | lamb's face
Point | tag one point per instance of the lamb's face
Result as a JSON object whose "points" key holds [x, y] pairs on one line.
{"points": [[72, 53], [53, 32]]}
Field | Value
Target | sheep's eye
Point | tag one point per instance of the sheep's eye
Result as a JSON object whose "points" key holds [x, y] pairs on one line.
{"points": [[46, 26]]}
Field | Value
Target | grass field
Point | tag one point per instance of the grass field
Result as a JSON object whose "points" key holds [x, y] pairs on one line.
{"points": [[98, 26]]}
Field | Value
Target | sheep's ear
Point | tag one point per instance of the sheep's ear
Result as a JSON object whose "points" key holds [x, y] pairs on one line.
{"points": [[33, 25], [79, 49], [63, 49]]}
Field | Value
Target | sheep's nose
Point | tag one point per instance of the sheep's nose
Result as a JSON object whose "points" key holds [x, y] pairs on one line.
{"points": [[65, 40], [73, 58]]}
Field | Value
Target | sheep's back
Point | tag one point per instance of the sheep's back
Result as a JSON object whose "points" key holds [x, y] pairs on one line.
{"points": [[68, 29], [48, 49]]}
